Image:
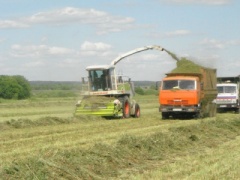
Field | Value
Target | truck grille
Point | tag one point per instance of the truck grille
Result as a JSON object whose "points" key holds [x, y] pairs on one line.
{"points": [[178, 102]]}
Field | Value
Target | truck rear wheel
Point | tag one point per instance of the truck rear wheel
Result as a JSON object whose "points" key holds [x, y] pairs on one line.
{"points": [[126, 107]]}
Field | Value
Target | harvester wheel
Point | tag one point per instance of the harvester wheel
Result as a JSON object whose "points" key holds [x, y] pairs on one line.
{"points": [[126, 107], [137, 111]]}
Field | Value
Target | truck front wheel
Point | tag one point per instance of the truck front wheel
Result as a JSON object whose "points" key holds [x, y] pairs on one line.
{"points": [[237, 111], [238, 108], [165, 115]]}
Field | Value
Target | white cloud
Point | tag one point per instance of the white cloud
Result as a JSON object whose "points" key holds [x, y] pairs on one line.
{"points": [[170, 34], [2, 40], [103, 21], [217, 44], [59, 50], [98, 46], [212, 43], [39, 51], [207, 2], [12, 24], [69, 63], [95, 49], [34, 64], [181, 32]]}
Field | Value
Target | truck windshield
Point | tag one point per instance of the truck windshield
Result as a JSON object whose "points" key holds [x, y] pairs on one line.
{"points": [[226, 89], [178, 84]]}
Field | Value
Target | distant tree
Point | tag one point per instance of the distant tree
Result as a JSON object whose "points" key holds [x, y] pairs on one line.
{"points": [[139, 91], [14, 87], [25, 90], [150, 92]]}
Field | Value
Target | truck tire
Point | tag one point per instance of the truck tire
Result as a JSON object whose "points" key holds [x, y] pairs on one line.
{"points": [[238, 108], [126, 107], [137, 111], [199, 115], [165, 115], [237, 111]]}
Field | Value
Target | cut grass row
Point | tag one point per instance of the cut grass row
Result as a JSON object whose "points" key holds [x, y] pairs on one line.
{"points": [[125, 150], [90, 147], [220, 162], [35, 109]]}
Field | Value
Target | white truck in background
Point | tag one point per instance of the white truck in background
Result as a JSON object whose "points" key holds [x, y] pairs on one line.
{"points": [[228, 98]]}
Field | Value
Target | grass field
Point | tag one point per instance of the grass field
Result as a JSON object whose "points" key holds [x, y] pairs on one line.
{"points": [[40, 139]]}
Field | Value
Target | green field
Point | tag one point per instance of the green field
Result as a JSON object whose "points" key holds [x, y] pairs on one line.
{"points": [[41, 139]]}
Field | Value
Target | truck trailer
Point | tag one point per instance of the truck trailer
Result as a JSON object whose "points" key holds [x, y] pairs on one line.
{"points": [[188, 91]]}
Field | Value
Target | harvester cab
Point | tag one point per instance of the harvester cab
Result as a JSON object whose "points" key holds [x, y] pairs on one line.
{"points": [[104, 93], [103, 80]]}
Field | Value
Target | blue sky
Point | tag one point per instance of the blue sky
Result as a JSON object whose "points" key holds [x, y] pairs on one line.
{"points": [[55, 40]]}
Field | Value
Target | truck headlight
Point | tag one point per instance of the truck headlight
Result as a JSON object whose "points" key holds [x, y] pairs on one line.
{"points": [[191, 109]]}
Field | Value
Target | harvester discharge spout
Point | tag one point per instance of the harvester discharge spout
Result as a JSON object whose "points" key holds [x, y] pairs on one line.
{"points": [[119, 58]]}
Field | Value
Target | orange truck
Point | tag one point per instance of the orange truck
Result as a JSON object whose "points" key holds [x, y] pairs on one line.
{"points": [[188, 91]]}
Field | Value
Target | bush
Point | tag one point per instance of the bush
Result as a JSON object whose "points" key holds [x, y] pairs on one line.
{"points": [[151, 92], [139, 91], [14, 87], [147, 91]]}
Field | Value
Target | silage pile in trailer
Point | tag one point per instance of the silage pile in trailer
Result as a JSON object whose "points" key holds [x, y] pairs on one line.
{"points": [[186, 66]]}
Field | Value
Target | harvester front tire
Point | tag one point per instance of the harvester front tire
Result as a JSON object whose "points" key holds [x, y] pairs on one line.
{"points": [[126, 107], [137, 111]]}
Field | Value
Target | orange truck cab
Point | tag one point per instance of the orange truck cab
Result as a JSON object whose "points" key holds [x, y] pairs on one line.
{"points": [[180, 95], [188, 94]]}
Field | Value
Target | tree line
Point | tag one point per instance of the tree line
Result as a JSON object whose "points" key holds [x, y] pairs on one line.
{"points": [[18, 87]]}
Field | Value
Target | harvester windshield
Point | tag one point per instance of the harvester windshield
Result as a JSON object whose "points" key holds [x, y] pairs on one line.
{"points": [[100, 80]]}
